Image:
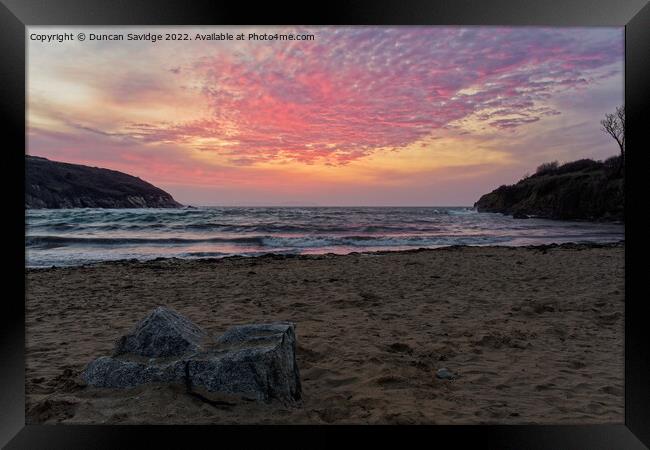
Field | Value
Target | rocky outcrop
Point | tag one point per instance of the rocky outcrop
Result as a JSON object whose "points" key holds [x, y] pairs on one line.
{"points": [[259, 360], [113, 372], [581, 190], [162, 333], [251, 361], [52, 184]]}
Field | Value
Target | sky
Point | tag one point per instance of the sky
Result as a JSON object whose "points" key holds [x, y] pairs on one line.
{"points": [[379, 116]]}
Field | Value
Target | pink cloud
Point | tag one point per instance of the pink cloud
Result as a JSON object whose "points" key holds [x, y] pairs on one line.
{"points": [[354, 90]]}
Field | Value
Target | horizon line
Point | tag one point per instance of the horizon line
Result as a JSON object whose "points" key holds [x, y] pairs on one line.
{"points": [[328, 206]]}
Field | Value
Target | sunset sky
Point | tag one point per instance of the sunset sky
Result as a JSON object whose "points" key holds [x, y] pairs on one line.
{"points": [[359, 116]]}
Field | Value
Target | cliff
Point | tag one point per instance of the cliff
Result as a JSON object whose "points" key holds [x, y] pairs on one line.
{"points": [[52, 184], [579, 190]]}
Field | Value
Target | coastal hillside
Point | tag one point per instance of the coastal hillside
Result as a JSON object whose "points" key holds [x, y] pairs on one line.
{"points": [[52, 184], [578, 190]]}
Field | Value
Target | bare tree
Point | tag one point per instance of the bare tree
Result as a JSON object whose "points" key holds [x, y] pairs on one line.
{"points": [[614, 125]]}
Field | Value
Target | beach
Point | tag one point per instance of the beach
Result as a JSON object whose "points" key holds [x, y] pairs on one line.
{"points": [[534, 334]]}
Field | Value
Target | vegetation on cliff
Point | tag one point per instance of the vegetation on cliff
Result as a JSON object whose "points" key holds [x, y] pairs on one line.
{"points": [[578, 190]]}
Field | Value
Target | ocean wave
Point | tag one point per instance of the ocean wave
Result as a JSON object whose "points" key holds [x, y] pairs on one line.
{"points": [[266, 241], [83, 235], [378, 241], [37, 241], [243, 228]]}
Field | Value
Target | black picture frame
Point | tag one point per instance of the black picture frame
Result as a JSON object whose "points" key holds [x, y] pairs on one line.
{"points": [[633, 14]]}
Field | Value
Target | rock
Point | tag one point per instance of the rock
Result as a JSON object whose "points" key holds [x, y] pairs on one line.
{"points": [[164, 332], [579, 190], [519, 215], [108, 372], [255, 360], [54, 184], [445, 374], [262, 333], [251, 361]]}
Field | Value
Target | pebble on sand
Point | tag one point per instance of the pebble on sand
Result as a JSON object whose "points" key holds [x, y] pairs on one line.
{"points": [[445, 374]]}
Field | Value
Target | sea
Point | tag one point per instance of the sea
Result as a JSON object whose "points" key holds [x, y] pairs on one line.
{"points": [[69, 237]]}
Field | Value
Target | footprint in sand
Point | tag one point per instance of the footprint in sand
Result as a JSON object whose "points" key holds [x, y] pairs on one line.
{"points": [[391, 381], [337, 382]]}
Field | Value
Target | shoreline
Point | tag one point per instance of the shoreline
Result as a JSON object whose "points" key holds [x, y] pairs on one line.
{"points": [[565, 245], [600, 220], [535, 334]]}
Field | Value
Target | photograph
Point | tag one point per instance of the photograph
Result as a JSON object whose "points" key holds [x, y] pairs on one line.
{"points": [[325, 225]]}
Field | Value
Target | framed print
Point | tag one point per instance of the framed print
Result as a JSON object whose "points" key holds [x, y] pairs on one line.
{"points": [[372, 218]]}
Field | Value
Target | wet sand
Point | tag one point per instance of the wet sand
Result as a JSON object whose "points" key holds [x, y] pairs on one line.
{"points": [[534, 334]]}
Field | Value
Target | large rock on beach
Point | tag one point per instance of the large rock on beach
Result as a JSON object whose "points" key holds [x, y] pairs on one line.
{"points": [[251, 361], [164, 332], [113, 372], [255, 360]]}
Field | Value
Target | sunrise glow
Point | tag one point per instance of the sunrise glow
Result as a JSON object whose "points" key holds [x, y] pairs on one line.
{"points": [[358, 116]]}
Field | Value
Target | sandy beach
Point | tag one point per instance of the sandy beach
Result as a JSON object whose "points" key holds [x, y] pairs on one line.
{"points": [[535, 335]]}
